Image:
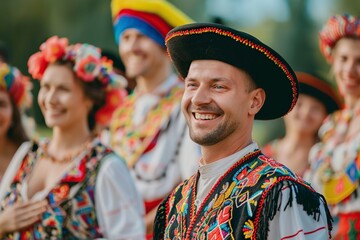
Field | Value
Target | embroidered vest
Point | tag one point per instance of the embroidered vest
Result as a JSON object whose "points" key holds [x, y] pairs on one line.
{"points": [[71, 214], [131, 141], [239, 206]]}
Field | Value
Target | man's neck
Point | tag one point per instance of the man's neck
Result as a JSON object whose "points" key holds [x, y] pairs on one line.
{"points": [[221, 150], [149, 84]]}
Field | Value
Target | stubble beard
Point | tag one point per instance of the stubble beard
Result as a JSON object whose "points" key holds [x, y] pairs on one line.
{"points": [[216, 136]]}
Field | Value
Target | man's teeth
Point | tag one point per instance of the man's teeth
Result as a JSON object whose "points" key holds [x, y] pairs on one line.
{"points": [[205, 116]]}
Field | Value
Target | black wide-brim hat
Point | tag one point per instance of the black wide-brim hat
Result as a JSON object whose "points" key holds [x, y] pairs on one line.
{"points": [[208, 41], [312, 85]]}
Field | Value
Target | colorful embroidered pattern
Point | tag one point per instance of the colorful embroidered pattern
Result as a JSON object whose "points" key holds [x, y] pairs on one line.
{"points": [[337, 184], [131, 141], [69, 216], [231, 209]]}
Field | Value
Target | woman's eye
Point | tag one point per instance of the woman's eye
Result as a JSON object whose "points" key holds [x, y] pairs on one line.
{"points": [[44, 87], [64, 89], [343, 59]]}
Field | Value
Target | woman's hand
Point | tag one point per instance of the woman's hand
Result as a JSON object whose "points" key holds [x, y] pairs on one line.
{"points": [[21, 215]]}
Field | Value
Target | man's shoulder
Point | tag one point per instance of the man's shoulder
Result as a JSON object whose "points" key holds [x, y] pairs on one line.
{"points": [[270, 165], [265, 172]]}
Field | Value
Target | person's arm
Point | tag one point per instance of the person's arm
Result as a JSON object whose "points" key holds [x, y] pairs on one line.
{"points": [[21, 215], [119, 209], [293, 223], [149, 220]]}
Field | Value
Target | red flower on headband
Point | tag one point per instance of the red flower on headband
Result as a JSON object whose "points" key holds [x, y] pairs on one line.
{"points": [[17, 91], [37, 65], [114, 98], [88, 68], [54, 48]]}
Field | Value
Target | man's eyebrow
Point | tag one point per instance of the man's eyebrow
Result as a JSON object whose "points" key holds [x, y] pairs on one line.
{"points": [[219, 79], [215, 79]]}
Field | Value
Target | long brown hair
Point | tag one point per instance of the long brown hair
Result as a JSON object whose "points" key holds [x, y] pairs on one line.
{"points": [[16, 132]]}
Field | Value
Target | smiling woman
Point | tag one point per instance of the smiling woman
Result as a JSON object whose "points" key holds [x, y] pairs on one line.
{"points": [[317, 99], [14, 93], [335, 161], [87, 188]]}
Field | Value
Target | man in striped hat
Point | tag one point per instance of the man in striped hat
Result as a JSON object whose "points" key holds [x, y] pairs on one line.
{"points": [[148, 130]]}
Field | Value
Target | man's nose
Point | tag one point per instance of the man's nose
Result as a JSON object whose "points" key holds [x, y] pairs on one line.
{"points": [[201, 96]]}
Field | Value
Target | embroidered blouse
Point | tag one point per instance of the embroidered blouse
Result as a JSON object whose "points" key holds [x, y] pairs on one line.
{"points": [[93, 198]]}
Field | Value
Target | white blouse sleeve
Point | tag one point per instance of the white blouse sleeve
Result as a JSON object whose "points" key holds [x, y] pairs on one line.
{"points": [[295, 224], [120, 212]]}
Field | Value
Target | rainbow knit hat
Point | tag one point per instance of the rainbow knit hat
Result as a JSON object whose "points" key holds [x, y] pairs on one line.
{"points": [[153, 18], [16, 85]]}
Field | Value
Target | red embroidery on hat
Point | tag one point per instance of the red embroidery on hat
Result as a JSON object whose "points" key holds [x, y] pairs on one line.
{"points": [[245, 42]]}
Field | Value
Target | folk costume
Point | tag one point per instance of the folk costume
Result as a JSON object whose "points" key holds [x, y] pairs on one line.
{"points": [[335, 172], [148, 130], [322, 91], [80, 206], [18, 88], [335, 162], [246, 195]]}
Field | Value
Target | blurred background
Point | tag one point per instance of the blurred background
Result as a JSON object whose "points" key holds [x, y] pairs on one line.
{"points": [[288, 26]]}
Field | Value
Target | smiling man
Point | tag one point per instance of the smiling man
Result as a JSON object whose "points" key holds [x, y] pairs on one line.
{"points": [[232, 78]]}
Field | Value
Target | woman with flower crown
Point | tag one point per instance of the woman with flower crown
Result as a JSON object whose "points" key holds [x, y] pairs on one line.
{"points": [[14, 95], [14, 98], [335, 161], [88, 188]]}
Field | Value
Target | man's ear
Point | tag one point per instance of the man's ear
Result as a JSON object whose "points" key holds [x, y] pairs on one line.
{"points": [[257, 100]]}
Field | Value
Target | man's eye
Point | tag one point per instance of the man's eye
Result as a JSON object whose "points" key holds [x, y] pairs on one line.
{"points": [[190, 85], [218, 87]]}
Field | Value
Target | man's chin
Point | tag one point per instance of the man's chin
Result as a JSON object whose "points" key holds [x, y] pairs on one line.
{"points": [[204, 140]]}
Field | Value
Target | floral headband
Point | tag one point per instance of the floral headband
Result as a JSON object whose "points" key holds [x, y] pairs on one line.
{"points": [[18, 86], [89, 66], [337, 27]]}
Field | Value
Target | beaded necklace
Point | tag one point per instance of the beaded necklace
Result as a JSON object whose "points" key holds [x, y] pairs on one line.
{"points": [[129, 140], [68, 157]]}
